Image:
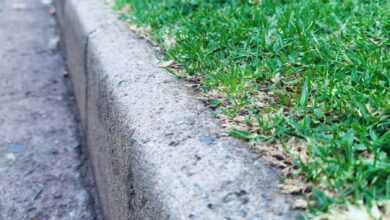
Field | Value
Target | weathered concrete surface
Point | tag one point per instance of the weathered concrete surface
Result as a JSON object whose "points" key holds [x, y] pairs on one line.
{"points": [[42, 173], [157, 152]]}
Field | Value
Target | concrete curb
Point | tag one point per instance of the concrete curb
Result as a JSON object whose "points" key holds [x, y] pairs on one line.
{"points": [[157, 153]]}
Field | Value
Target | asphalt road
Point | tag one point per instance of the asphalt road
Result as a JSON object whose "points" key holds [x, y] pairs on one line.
{"points": [[43, 173]]}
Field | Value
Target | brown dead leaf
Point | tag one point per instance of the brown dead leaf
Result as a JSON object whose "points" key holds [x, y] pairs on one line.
{"points": [[293, 186], [171, 64]]}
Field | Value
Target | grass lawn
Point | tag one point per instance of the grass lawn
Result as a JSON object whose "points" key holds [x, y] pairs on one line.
{"points": [[316, 70]]}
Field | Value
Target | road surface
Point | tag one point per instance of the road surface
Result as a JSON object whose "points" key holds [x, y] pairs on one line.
{"points": [[43, 173]]}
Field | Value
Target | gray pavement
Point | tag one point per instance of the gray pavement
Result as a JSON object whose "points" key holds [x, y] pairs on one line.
{"points": [[43, 174]]}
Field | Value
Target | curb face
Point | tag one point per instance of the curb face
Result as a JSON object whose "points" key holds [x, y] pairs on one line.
{"points": [[157, 153]]}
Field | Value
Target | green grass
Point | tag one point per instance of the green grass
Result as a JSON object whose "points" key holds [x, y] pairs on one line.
{"points": [[313, 69]]}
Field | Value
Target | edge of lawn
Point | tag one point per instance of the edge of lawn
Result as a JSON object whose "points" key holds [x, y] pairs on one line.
{"points": [[276, 153]]}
